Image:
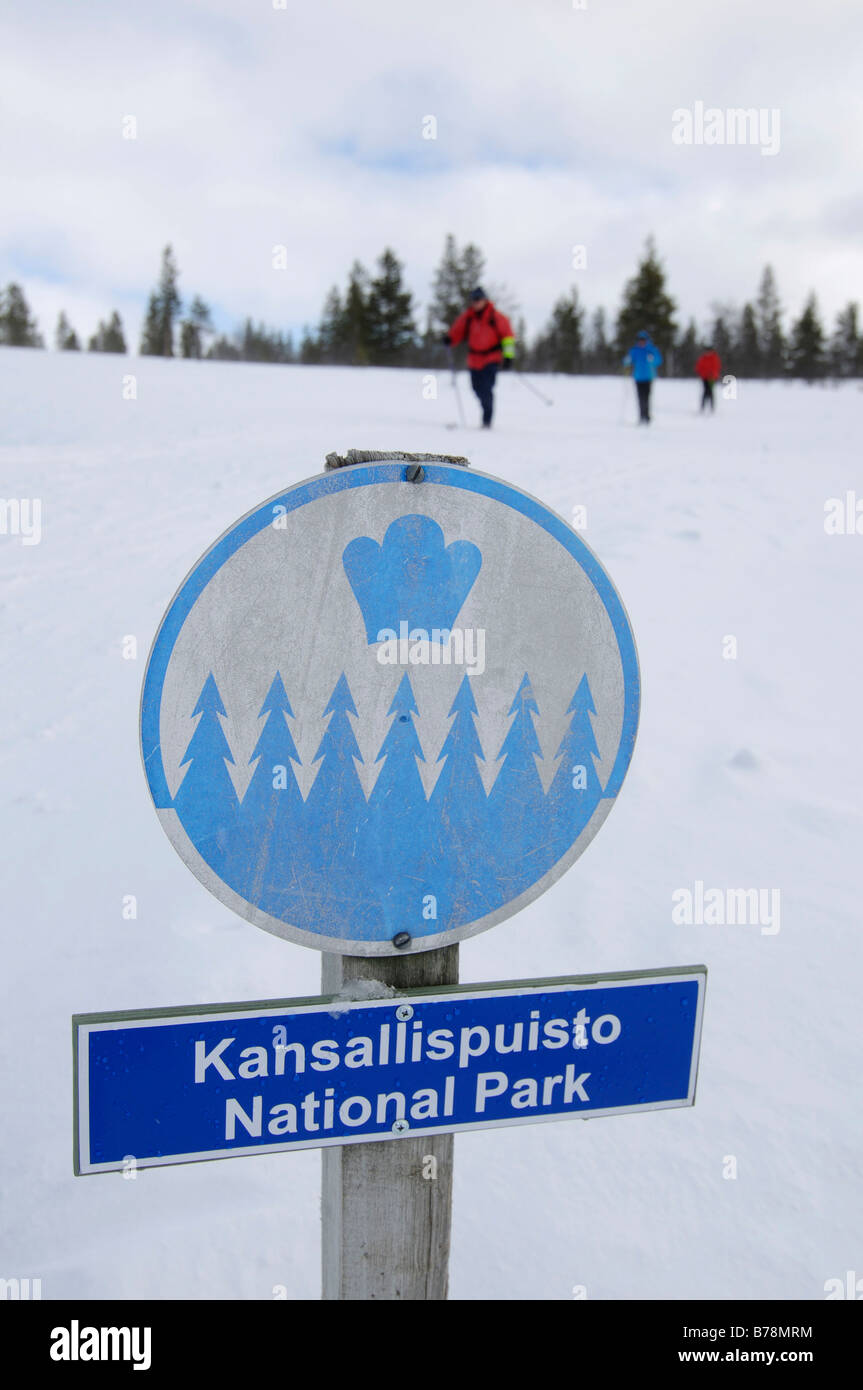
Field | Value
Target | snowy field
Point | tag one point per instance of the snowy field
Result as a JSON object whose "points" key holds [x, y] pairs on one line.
{"points": [[746, 774]]}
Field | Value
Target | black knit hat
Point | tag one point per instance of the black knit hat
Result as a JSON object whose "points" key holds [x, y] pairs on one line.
{"points": [[478, 293]]}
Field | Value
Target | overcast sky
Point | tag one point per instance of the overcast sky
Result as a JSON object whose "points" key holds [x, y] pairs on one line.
{"points": [[302, 126]]}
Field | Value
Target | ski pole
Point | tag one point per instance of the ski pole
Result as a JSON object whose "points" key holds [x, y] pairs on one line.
{"points": [[455, 386], [530, 386]]}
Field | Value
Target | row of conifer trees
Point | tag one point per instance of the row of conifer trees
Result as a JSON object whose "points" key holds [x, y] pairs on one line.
{"points": [[375, 321]]}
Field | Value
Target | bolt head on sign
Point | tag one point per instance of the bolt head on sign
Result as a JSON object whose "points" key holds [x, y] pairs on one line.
{"points": [[379, 707]]}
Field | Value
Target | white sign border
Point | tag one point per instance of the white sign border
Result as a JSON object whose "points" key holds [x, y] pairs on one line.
{"points": [[438, 474]]}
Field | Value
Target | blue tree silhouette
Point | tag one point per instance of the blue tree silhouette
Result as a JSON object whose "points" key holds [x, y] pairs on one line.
{"points": [[517, 809], [518, 784], [575, 789], [459, 810], [337, 787], [399, 854], [272, 804], [459, 783], [206, 801], [398, 791], [336, 816]]}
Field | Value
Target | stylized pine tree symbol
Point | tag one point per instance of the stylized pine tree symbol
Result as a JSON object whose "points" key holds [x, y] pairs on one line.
{"points": [[517, 821], [271, 807], [206, 801], [466, 850], [273, 782], [395, 844], [398, 790], [518, 780], [460, 784], [575, 784], [337, 791]]}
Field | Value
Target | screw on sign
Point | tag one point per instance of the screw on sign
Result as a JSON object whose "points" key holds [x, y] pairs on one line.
{"points": [[383, 715]]}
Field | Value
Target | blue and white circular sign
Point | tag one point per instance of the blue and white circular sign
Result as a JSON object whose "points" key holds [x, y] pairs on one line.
{"points": [[379, 709]]}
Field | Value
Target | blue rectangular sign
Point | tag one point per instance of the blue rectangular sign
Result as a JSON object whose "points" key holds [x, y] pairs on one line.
{"points": [[180, 1085]]}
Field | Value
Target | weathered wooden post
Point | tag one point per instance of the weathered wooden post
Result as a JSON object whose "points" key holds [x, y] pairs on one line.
{"points": [[387, 1208]]}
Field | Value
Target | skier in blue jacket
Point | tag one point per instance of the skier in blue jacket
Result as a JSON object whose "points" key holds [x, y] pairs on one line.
{"points": [[644, 358]]}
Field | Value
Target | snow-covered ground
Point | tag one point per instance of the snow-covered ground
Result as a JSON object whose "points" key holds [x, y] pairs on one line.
{"points": [[746, 773]]}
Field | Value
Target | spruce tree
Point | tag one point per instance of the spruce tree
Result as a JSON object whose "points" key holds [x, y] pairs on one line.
{"points": [[771, 338], [686, 351], [194, 328], [163, 311], [356, 326], [113, 339], [309, 352], [390, 327], [447, 296], [331, 330], [472, 269], [844, 354], [150, 338], [647, 305], [806, 356], [17, 328], [723, 334], [560, 348], [65, 337], [600, 354], [748, 360], [458, 273], [222, 349]]}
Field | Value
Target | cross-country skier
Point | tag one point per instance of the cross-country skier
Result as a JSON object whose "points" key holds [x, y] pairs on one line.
{"points": [[708, 368], [644, 358], [490, 343]]}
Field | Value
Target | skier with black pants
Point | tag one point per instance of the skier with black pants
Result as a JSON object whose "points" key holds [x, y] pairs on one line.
{"points": [[708, 369], [491, 345], [645, 359]]}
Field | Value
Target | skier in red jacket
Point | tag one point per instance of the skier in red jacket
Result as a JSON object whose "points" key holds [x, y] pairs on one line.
{"points": [[491, 344], [708, 368]]}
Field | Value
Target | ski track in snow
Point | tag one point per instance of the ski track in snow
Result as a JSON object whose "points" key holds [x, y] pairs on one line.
{"points": [[746, 774]]}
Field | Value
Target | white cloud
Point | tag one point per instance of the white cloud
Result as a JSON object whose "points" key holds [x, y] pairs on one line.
{"points": [[302, 126]]}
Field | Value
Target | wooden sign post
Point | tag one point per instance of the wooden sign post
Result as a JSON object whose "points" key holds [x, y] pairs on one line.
{"points": [[387, 1208]]}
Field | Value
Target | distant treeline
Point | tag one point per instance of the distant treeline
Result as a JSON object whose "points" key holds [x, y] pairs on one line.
{"points": [[373, 321]]}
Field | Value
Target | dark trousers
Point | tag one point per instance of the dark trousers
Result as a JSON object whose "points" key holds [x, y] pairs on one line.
{"points": [[643, 389], [707, 394], [482, 380]]}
